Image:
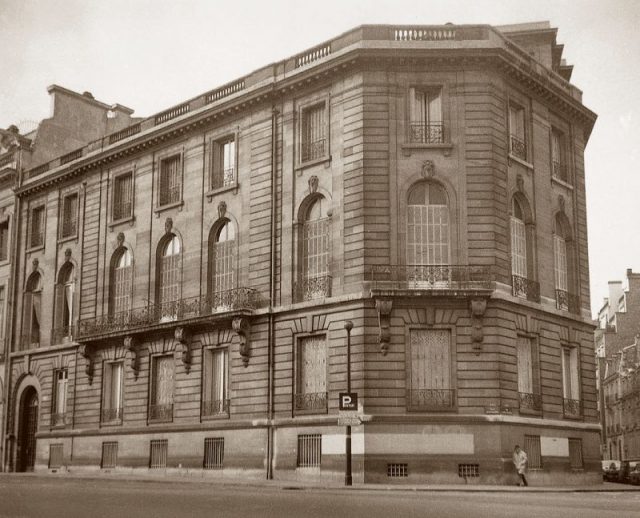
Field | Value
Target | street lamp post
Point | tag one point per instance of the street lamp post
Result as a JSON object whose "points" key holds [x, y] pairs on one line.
{"points": [[348, 480]]}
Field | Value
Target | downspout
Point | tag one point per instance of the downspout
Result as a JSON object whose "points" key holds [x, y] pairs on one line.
{"points": [[272, 292]]}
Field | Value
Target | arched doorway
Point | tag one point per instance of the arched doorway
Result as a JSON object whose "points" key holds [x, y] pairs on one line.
{"points": [[28, 427]]}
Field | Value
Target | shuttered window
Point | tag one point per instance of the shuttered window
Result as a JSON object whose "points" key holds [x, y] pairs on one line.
{"points": [[170, 180], [123, 196], [121, 282], [427, 226], [560, 262]]}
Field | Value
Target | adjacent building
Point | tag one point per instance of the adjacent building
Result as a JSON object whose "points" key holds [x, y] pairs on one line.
{"points": [[186, 286]]}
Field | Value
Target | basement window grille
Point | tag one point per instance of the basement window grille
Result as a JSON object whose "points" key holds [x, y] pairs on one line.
{"points": [[309, 450], [55, 455], [533, 451], [109, 455], [468, 470], [158, 456], [575, 454], [397, 470], [213, 452]]}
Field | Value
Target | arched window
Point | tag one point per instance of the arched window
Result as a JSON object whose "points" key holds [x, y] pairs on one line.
{"points": [[64, 304], [522, 235], [518, 241], [169, 263], [562, 260], [427, 225], [121, 278], [31, 312], [223, 258], [316, 281]]}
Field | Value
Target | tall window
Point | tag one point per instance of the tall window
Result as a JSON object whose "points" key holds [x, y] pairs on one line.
{"points": [[571, 381], [59, 410], [112, 392], [426, 125], [223, 171], [4, 240], [558, 160], [162, 382], [216, 382], [170, 180], [223, 257], [311, 382], [123, 196], [121, 279], [562, 258], [69, 215], [169, 276], [31, 312], [528, 391], [427, 226], [316, 281], [64, 305], [430, 385], [313, 138], [517, 142], [2, 317], [518, 244], [36, 229]]}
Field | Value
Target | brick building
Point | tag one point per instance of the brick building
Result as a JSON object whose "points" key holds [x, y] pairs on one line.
{"points": [[184, 283]]}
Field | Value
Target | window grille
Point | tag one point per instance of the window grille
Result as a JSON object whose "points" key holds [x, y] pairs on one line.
{"points": [[55, 455], [575, 454], [427, 225], [533, 451], [158, 455], [397, 470], [109, 455], [37, 227], [123, 197], [430, 376], [309, 450], [213, 452], [69, 215], [311, 390], [468, 470], [313, 133], [170, 181]]}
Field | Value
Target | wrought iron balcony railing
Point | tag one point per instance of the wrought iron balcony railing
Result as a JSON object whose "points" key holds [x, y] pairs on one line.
{"points": [[429, 277], [315, 402], [182, 309], [518, 147], [431, 399], [218, 407], [567, 301], [526, 288], [530, 401], [313, 288], [424, 133], [110, 415], [313, 150], [161, 413], [62, 334], [572, 407], [59, 419]]}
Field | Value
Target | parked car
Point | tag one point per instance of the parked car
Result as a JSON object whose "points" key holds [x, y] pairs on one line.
{"points": [[634, 475], [626, 467], [610, 470]]}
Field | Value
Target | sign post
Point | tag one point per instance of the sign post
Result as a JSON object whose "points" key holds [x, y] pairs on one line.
{"points": [[349, 401]]}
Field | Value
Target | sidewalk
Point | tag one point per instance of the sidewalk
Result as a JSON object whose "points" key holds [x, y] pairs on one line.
{"points": [[304, 485]]}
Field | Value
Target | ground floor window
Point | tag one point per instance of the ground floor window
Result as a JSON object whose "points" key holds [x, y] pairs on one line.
{"points": [[309, 450]]}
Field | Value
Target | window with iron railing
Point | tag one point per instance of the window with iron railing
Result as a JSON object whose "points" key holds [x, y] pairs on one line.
{"points": [[528, 386], [36, 228], [313, 133], [223, 167], [215, 399], [4, 240], [31, 312], [64, 308], [69, 216], [170, 188], [122, 196], [558, 155], [162, 386], [315, 281], [571, 382], [311, 379], [517, 133], [223, 259], [169, 268], [121, 281], [112, 400], [426, 123]]}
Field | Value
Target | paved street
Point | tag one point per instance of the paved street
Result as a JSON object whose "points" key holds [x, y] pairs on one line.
{"points": [[50, 497]]}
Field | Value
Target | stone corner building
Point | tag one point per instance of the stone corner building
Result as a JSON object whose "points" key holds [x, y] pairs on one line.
{"points": [[182, 284]]}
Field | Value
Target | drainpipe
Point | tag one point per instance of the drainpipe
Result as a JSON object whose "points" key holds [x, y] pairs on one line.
{"points": [[272, 291]]}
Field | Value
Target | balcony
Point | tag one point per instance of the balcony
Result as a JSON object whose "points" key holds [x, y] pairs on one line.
{"points": [[421, 400], [530, 402], [312, 288], [446, 279], [215, 408], [189, 310], [525, 288], [161, 413], [422, 133], [572, 408], [310, 403], [566, 301], [313, 150], [111, 416], [518, 147]]}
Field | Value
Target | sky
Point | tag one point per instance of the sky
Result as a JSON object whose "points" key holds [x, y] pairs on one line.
{"points": [[151, 54]]}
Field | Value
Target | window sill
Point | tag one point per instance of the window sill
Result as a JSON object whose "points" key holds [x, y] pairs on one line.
{"points": [[168, 206], [36, 248], [517, 160], [564, 184], [215, 417], [67, 239], [219, 190], [160, 421], [407, 148], [111, 424], [122, 221], [313, 411], [530, 412], [326, 159]]}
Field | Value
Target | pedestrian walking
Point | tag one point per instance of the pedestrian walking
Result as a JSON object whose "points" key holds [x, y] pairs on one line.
{"points": [[520, 462]]}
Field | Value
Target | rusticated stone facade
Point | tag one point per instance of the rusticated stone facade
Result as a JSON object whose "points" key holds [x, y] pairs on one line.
{"points": [[420, 182]]}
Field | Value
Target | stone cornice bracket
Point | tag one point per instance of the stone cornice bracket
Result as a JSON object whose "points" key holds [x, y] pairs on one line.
{"points": [[132, 355], [242, 328], [85, 352], [383, 307], [183, 347], [477, 308]]}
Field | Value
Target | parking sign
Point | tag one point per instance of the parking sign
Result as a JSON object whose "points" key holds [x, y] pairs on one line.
{"points": [[348, 401]]}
